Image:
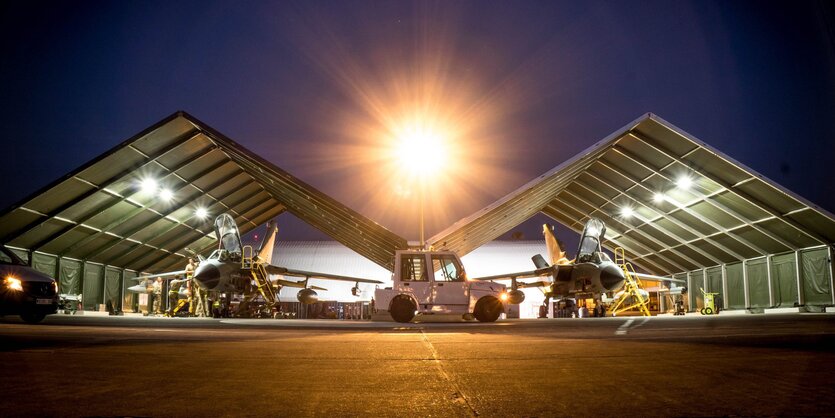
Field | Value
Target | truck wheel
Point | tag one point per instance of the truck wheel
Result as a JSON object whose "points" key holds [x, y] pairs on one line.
{"points": [[402, 309], [32, 317], [708, 311], [487, 309]]}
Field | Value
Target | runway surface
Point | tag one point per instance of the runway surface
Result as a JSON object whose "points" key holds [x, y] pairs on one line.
{"points": [[751, 365]]}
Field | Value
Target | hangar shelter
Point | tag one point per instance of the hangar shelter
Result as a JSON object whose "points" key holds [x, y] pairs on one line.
{"points": [[97, 227], [677, 206]]}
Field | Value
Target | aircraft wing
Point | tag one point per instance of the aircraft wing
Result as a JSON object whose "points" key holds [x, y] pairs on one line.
{"points": [[313, 275], [540, 272], [290, 283], [651, 277], [167, 274]]}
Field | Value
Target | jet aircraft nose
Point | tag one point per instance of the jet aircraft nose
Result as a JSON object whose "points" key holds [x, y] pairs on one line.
{"points": [[611, 277], [207, 276]]}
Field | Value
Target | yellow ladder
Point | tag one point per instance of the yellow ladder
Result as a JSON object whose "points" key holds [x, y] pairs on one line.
{"points": [[246, 257], [262, 282], [631, 288]]}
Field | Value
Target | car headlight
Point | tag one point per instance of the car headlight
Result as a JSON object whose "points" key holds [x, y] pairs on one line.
{"points": [[503, 296], [55, 286], [14, 283]]}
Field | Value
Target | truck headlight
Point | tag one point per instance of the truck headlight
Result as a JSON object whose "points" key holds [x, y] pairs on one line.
{"points": [[14, 283]]}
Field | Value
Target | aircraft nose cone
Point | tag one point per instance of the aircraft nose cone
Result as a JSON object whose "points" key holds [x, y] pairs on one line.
{"points": [[611, 277], [207, 276]]}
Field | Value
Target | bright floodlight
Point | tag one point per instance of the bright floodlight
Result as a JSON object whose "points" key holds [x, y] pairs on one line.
{"points": [[166, 194], [626, 212], [201, 213], [684, 182], [420, 150], [148, 185], [658, 197]]}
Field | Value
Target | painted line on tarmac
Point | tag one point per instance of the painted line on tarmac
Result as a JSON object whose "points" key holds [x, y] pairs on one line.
{"points": [[458, 396], [622, 329]]}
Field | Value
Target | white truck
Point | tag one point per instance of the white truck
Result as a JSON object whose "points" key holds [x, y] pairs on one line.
{"points": [[441, 289]]}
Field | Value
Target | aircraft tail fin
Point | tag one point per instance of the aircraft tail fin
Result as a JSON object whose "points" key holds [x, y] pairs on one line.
{"points": [[265, 251], [555, 253]]}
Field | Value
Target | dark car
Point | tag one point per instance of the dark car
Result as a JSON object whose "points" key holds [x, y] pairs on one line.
{"points": [[25, 291]]}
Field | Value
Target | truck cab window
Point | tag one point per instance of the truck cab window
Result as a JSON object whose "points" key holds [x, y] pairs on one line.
{"points": [[447, 269], [412, 268]]}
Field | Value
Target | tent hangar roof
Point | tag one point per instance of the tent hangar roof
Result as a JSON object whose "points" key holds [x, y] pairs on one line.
{"points": [[99, 212], [729, 213]]}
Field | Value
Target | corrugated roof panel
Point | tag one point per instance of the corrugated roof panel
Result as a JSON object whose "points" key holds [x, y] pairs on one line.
{"points": [[763, 241], [763, 192], [112, 251], [693, 222], [662, 236], [610, 178], [660, 136], [66, 240], [732, 241], [674, 257], [675, 231], [15, 221], [720, 217], [87, 207], [164, 135], [624, 165], [788, 233], [632, 147], [35, 235], [705, 160], [199, 145], [815, 221], [702, 258], [655, 259], [112, 167], [738, 205], [111, 214], [54, 198], [637, 243], [89, 248], [706, 247]]}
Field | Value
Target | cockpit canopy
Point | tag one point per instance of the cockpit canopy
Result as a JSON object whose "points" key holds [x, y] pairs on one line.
{"points": [[228, 236], [593, 234]]}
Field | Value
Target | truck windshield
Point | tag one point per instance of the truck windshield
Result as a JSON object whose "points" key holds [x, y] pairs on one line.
{"points": [[447, 269]]}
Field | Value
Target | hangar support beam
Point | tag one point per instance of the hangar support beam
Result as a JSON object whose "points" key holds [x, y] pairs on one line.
{"points": [[745, 196]]}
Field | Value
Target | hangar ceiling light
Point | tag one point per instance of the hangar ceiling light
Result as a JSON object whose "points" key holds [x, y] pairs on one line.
{"points": [[166, 194], [659, 197], [684, 182], [148, 186]]}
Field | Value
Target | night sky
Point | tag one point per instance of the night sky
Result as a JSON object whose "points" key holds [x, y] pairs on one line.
{"points": [[312, 87]]}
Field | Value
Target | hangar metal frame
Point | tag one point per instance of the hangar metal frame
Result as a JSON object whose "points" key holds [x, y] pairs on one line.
{"points": [[99, 213], [730, 214]]}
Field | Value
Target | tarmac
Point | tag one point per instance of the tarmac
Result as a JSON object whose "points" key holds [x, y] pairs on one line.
{"points": [[746, 365]]}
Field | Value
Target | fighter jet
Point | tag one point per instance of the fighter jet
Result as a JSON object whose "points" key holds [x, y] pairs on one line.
{"points": [[231, 269], [591, 274]]}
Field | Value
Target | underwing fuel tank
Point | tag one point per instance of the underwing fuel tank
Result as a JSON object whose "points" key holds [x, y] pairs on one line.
{"points": [[307, 296], [515, 297]]}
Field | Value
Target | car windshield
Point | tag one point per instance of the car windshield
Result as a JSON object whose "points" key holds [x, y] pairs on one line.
{"points": [[8, 257]]}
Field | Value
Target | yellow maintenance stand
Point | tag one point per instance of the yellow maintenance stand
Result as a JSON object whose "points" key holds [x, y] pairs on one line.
{"points": [[631, 288], [259, 275]]}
